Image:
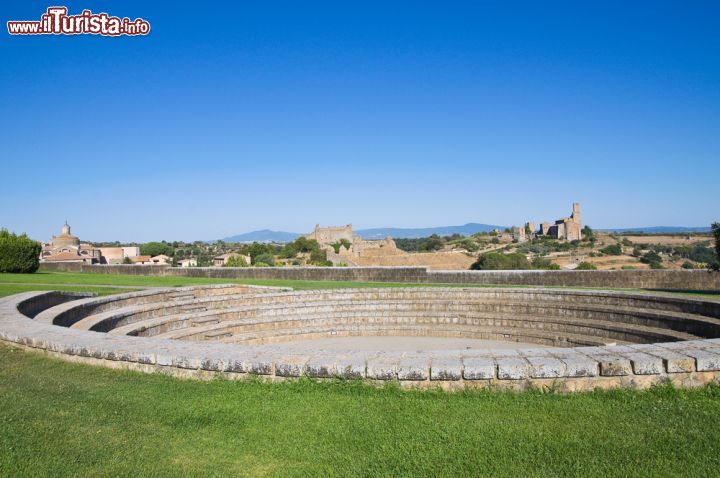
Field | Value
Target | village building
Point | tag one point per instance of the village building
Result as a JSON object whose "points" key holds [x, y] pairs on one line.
{"points": [[141, 260], [191, 262], [161, 260], [67, 248], [117, 255], [221, 260]]}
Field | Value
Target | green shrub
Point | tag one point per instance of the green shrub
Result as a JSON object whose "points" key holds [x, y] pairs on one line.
{"points": [[543, 245], [18, 254], [586, 266], [236, 261], [341, 243], [653, 259], [542, 263], [612, 250], [469, 245], [319, 258], [493, 261], [266, 259]]}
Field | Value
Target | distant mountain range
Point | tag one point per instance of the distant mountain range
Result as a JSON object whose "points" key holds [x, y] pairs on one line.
{"points": [[413, 233], [267, 235], [659, 230], [264, 235]]}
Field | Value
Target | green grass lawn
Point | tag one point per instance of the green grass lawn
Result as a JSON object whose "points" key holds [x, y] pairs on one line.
{"points": [[61, 419], [41, 280], [43, 277]]}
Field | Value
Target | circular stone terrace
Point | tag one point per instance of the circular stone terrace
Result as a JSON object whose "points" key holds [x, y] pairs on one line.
{"points": [[515, 338]]}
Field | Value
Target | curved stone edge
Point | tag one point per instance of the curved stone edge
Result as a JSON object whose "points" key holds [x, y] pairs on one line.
{"points": [[49, 314], [685, 364]]}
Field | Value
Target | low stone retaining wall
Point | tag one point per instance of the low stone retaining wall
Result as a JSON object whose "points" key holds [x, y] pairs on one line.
{"points": [[699, 280], [27, 320]]}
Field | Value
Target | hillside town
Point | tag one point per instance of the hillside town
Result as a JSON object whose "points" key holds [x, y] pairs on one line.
{"points": [[564, 243]]}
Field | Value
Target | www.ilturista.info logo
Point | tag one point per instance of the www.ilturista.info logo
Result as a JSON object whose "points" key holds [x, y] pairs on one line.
{"points": [[57, 22]]}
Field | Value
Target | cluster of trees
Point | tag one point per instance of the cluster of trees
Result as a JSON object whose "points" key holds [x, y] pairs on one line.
{"points": [[18, 253], [423, 244], [156, 249], [545, 245], [496, 261], [299, 245], [261, 254], [436, 243], [697, 255], [318, 256]]}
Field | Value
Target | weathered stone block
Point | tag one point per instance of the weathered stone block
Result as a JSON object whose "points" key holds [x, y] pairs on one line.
{"points": [[545, 367], [645, 364], [351, 367], [320, 367], [479, 368], [674, 362], [613, 365], [289, 367], [705, 361], [512, 368], [381, 368], [261, 366], [413, 368], [577, 365], [446, 368]]}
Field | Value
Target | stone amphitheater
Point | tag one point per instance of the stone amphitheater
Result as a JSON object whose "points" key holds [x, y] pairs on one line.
{"points": [[571, 339]]}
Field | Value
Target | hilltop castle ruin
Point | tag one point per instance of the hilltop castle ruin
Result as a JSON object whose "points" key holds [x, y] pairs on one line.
{"points": [[567, 228], [338, 238]]}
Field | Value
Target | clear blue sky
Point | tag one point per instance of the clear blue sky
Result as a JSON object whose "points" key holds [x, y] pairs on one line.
{"points": [[235, 116]]}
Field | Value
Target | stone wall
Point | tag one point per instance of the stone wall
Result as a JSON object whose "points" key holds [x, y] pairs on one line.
{"points": [[642, 279]]}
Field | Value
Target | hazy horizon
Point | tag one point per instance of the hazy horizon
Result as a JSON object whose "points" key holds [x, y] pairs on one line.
{"points": [[85, 238]]}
